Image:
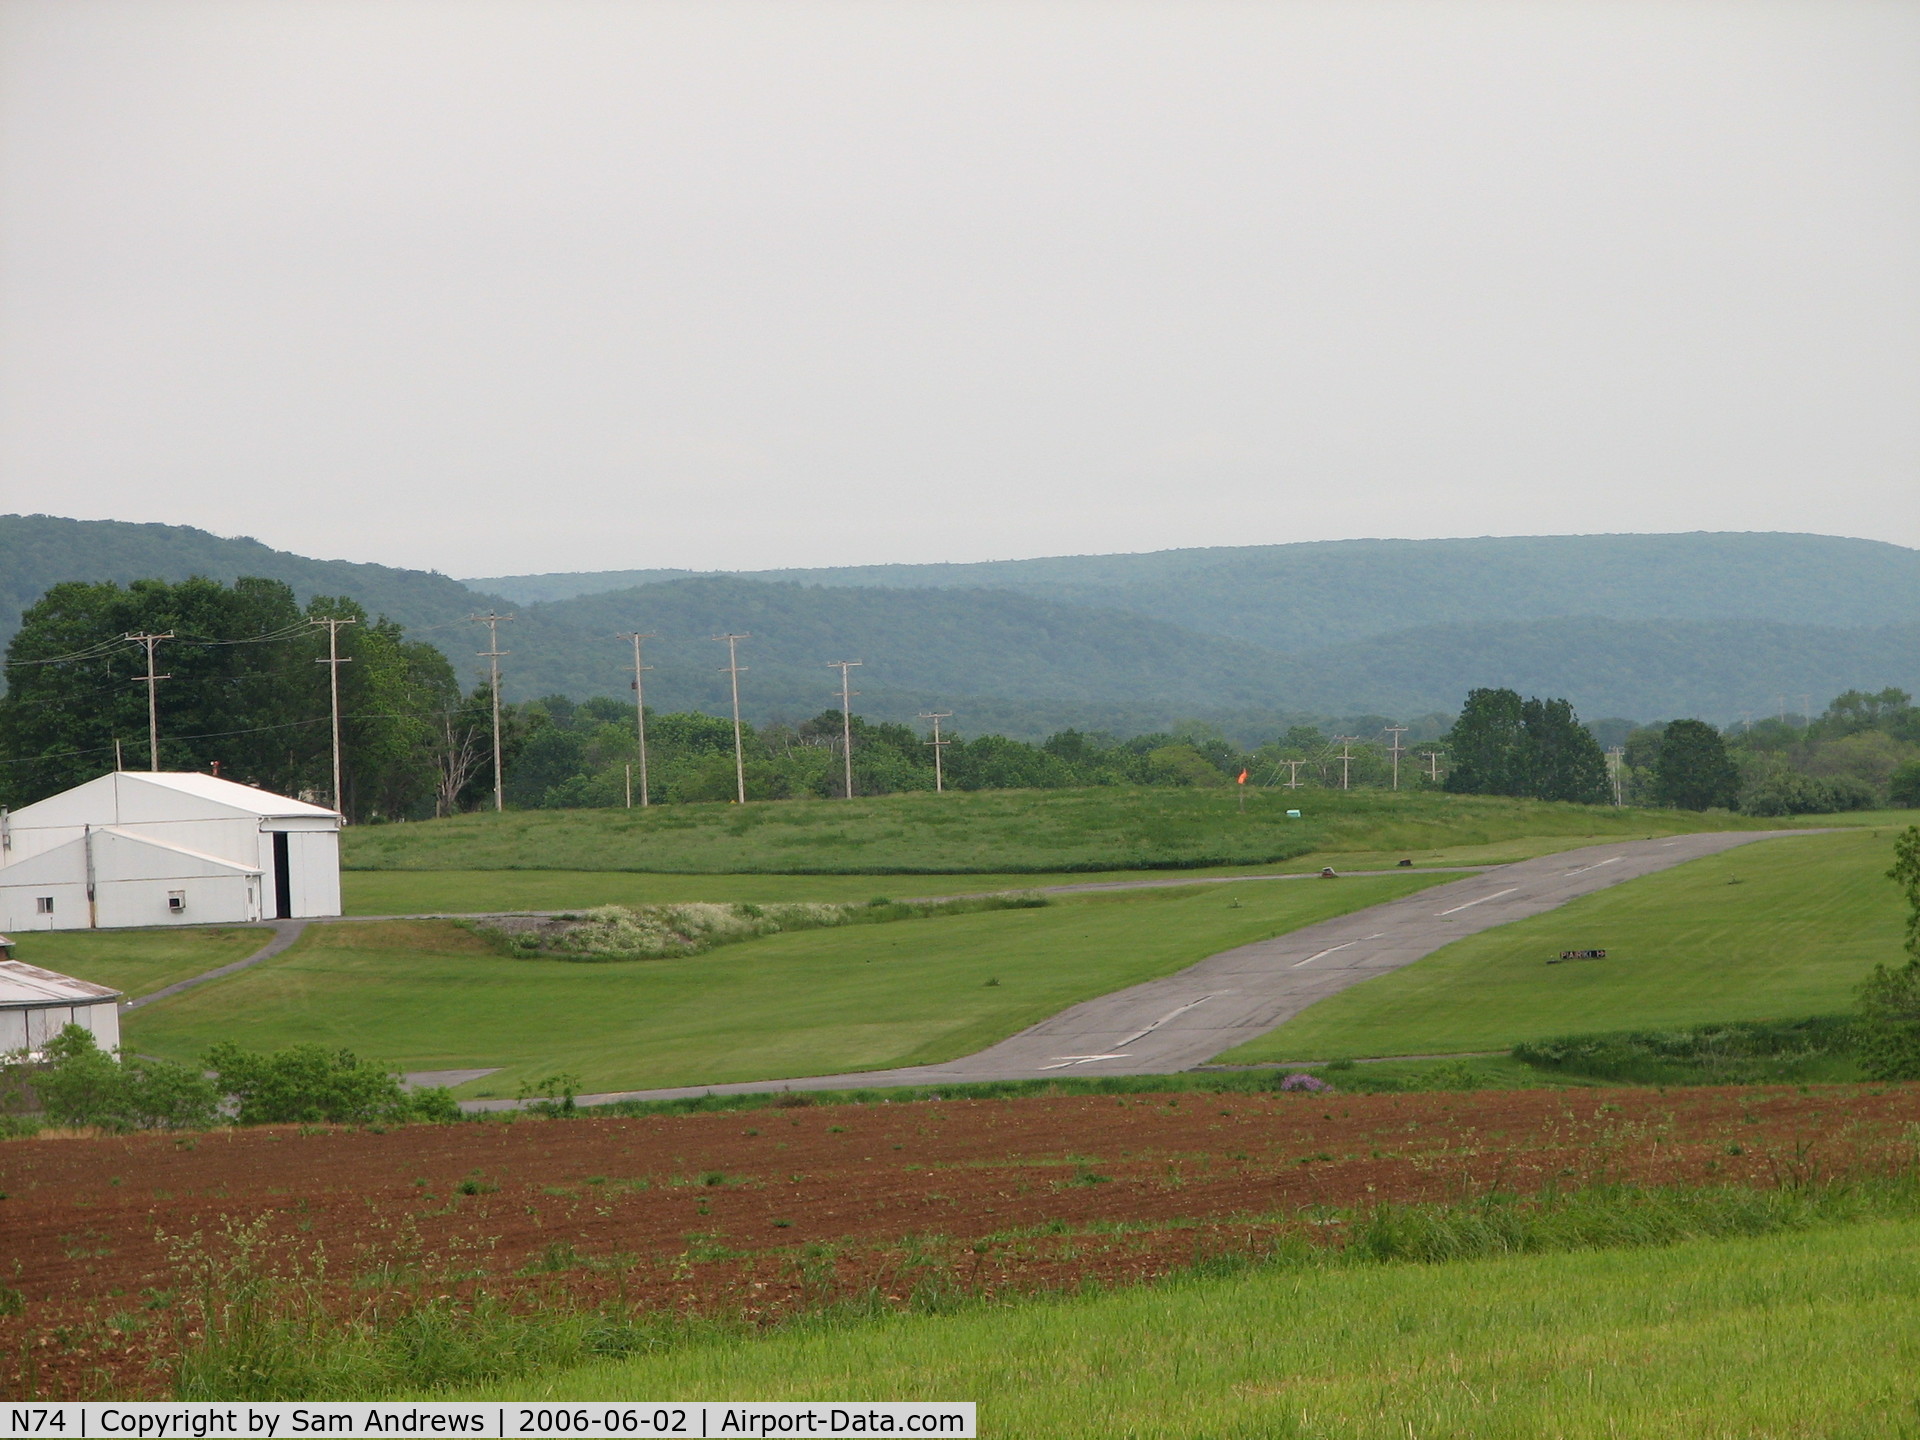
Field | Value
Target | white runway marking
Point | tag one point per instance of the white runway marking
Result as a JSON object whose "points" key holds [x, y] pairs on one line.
{"points": [[1596, 865], [1181, 1010], [1323, 954], [1481, 901], [1331, 948], [1067, 1060]]}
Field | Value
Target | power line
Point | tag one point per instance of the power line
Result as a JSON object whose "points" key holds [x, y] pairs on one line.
{"points": [[733, 672], [492, 655], [639, 716], [153, 700], [105, 648], [1395, 750], [845, 668], [98, 651], [203, 681], [939, 774], [333, 662], [1345, 757], [271, 637]]}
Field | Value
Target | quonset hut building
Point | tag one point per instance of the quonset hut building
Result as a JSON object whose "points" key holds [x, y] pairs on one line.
{"points": [[158, 847]]}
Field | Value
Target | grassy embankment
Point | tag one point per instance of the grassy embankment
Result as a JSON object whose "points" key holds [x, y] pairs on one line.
{"points": [[944, 844], [431, 995], [1794, 1334], [138, 961], [1776, 930]]}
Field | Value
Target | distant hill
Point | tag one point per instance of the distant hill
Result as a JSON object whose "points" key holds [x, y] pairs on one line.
{"points": [[1038, 664], [37, 551], [1642, 669], [1648, 627], [1301, 597], [919, 649]]}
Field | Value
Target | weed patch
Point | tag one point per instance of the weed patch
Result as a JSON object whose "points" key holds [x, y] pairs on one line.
{"points": [[1739, 1053], [656, 932]]}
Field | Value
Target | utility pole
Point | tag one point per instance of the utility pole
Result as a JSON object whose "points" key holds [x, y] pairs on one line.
{"points": [[1806, 711], [1432, 757], [333, 662], [733, 671], [639, 719], [1616, 757], [492, 655], [1394, 750], [939, 775], [1345, 757], [846, 716], [1293, 772], [153, 704]]}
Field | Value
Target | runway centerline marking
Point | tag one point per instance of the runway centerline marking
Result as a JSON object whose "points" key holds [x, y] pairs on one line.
{"points": [[1067, 1060], [1615, 860], [1331, 948], [1171, 1014], [1481, 901]]}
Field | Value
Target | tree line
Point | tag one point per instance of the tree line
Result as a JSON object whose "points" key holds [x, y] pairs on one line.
{"points": [[246, 688], [247, 692], [1862, 753]]}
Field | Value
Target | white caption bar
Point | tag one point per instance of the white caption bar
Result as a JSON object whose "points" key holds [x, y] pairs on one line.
{"points": [[276, 1420]]}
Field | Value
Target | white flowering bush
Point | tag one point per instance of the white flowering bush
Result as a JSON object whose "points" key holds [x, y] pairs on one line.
{"points": [[658, 932]]}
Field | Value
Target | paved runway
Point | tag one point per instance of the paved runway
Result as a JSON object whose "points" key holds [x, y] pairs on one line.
{"points": [[1227, 999]]}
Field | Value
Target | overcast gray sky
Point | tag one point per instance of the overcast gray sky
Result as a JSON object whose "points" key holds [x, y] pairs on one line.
{"points": [[497, 287]]}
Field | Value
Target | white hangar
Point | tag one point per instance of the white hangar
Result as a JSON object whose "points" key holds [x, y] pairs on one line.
{"points": [[36, 1005], [157, 847]]}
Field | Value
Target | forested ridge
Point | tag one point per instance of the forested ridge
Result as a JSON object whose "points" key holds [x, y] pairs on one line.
{"points": [[1315, 594], [1246, 639], [239, 677]]}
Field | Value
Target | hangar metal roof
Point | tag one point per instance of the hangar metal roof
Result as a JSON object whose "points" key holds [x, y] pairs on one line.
{"points": [[28, 987]]}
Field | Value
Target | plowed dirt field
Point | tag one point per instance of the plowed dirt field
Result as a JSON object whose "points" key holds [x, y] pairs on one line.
{"points": [[757, 1213]]}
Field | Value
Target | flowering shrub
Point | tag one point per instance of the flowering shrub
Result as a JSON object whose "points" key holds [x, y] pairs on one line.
{"points": [[1311, 1084], [654, 932]]}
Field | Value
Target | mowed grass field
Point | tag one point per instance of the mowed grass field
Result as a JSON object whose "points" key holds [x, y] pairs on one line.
{"points": [[993, 833], [431, 995], [467, 892], [1779, 929], [139, 961], [1808, 1334]]}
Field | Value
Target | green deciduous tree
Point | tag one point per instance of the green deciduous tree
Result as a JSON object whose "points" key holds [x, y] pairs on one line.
{"points": [[246, 690], [1889, 1028], [1903, 788], [1504, 745], [1693, 771], [83, 1085], [310, 1083], [1487, 744], [1562, 760]]}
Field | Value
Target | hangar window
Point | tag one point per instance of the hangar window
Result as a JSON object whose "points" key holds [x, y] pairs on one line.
{"points": [[176, 901], [43, 904]]}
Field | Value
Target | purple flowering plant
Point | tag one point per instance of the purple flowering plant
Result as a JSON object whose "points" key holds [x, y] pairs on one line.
{"points": [[1310, 1084]]}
